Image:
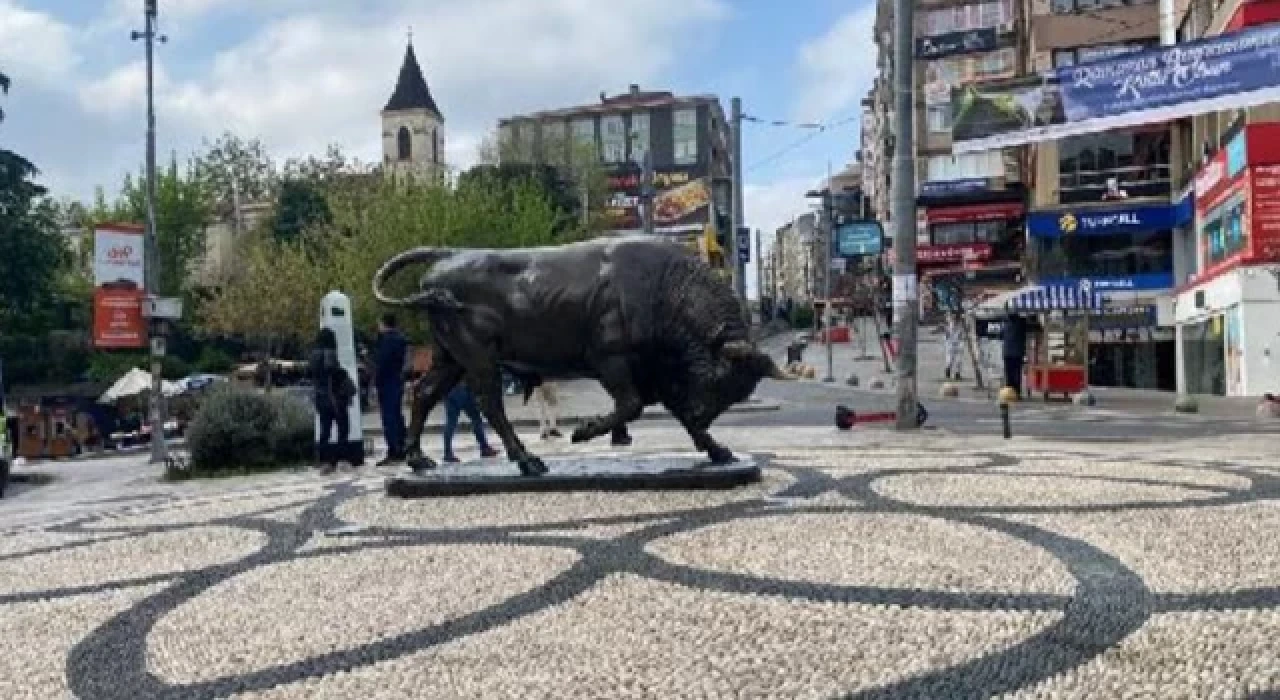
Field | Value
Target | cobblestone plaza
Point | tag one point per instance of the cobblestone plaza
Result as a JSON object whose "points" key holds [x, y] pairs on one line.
{"points": [[862, 565]]}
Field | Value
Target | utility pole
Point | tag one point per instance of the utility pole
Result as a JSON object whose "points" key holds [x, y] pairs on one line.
{"points": [[905, 306], [829, 222], [647, 191], [151, 266], [738, 217]]}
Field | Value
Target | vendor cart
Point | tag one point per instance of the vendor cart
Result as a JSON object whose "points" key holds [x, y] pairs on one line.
{"points": [[1059, 356]]}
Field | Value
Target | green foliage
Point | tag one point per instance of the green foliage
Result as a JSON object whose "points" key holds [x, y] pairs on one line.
{"points": [[239, 429], [300, 206], [107, 367], [213, 360], [232, 168]]}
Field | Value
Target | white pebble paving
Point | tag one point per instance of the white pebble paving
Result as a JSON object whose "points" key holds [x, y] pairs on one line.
{"points": [[291, 611], [870, 549], [1016, 490], [129, 558], [633, 638]]}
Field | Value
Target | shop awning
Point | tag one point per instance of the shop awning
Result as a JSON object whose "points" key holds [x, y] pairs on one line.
{"points": [[1040, 298]]}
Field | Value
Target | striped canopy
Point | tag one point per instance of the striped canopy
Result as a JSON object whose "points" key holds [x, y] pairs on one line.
{"points": [[1053, 298]]}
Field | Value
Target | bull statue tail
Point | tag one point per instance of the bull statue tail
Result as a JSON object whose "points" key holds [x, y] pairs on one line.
{"points": [[416, 256], [742, 350]]}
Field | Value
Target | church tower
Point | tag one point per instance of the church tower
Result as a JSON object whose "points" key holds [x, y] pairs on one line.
{"points": [[412, 126]]}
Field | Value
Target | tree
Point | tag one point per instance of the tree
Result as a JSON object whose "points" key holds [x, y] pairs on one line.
{"points": [[300, 206], [232, 169], [580, 173]]}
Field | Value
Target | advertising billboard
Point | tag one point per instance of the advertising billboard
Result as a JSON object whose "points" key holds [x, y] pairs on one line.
{"points": [[859, 238], [1229, 71], [681, 204], [119, 284]]}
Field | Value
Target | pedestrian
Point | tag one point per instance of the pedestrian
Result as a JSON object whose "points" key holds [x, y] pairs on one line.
{"points": [[389, 358], [461, 400], [1014, 337], [548, 410], [333, 389], [954, 345]]}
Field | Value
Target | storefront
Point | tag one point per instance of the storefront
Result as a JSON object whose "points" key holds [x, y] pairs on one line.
{"points": [[1228, 313], [961, 243], [1125, 255]]}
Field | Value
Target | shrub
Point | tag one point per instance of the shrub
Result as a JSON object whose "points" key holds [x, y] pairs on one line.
{"points": [[237, 429], [802, 316]]}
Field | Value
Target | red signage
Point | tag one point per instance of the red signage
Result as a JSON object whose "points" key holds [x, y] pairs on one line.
{"points": [[967, 213], [1264, 234], [117, 318], [953, 253]]}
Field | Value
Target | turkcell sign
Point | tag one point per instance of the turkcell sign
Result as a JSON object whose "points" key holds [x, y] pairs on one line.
{"points": [[1086, 222]]}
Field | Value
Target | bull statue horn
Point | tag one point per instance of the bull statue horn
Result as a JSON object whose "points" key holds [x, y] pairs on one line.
{"points": [[737, 349]]}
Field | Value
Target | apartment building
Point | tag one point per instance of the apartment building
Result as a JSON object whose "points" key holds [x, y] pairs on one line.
{"points": [[798, 261], [686, 137], [1227, 301]]}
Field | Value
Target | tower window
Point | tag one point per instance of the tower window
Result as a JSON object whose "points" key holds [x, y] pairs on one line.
{"points": [[435, 146], [404, 150]]}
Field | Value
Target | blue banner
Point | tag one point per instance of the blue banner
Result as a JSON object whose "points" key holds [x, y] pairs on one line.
{"points": [[1230, 71], [952, 188], [859, 238], [1098, 222], [1106, 285]]}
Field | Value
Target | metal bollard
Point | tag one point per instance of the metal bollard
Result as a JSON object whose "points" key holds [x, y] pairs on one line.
{"points": [[1004, 420]]}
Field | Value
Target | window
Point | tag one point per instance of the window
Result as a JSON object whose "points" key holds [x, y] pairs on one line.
{"points": [[639, 136], [555, 142], [1225, 235], [968, 232], [685, 136], [1098, 52], [584, 135], [938, 118], [1067, 7], [1064, 58], [1137, 160], [435, 146], [613, 138], [966, 165], [959, 18], [1112, 255], [404, 149]]}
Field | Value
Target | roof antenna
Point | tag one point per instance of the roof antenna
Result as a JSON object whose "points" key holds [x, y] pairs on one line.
{"points": [[411, 35]]}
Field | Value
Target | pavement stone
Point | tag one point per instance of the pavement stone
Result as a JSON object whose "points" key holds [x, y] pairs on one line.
{"points": [[863, 564]]}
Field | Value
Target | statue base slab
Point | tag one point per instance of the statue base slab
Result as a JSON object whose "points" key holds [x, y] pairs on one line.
{"points": [[595, 472]]}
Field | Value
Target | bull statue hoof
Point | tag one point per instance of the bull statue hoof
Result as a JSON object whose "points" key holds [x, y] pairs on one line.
{"points": [[421, 463], [721, 455], [532, 466]]}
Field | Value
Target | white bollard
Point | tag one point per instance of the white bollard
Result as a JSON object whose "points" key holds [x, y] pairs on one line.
{"points": [[335, 314]]}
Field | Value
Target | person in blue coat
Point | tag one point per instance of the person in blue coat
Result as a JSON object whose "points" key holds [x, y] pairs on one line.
{"points": [[389, 358]]}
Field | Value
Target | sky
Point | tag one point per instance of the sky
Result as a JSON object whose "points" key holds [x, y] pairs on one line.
{"points": [[303, 74]]}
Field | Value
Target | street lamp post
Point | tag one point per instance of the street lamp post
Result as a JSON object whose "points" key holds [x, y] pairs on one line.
{"points": [[151, 265]]}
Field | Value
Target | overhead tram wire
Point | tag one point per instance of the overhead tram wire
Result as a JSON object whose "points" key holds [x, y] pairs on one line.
{"points": [[815, 130]]}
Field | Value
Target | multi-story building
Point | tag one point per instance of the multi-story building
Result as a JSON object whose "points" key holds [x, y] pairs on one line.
{"points": [[686, 138], [1227, 303], [798, 261]]}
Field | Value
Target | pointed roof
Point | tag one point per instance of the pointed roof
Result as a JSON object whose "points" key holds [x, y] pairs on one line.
{"points": [[411, 88]]}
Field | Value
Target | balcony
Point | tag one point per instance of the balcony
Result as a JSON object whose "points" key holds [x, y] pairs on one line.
{"points": [[1066, 24], [1138, 161]]}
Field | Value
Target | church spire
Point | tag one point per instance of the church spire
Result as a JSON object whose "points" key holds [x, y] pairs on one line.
{"points": [[411, 90]]}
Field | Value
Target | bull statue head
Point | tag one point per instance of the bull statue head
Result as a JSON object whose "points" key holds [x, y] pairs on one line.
{"points": [[743, 355]]}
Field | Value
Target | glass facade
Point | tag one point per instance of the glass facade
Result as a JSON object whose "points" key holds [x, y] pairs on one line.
{"points": [[1110, 255]]}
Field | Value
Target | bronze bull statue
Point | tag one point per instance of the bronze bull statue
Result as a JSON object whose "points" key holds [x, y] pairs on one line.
{"points": [[644, 317]]}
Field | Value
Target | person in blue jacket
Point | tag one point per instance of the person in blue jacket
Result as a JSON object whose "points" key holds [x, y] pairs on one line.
{"points": [[389, 359], [460, 400]]}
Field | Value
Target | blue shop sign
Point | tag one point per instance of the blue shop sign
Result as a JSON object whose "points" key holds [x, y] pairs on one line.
{"points": [[1097, 222], [859, 238], [954, 188], [1105, 285]]}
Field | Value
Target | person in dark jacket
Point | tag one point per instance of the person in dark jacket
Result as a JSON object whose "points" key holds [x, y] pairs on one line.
{"points": [[1014, 337], [389, 358], [461, 400], [333, 390]]}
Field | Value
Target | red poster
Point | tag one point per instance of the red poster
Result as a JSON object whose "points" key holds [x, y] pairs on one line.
{"points": [[1264, 243], [117, 318], [967, 213]]}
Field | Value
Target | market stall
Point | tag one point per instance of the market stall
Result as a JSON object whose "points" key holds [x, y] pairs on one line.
{"points": [[1058, 349]]}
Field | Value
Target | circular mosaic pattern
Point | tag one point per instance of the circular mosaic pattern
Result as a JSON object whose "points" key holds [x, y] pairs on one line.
{"points": [[927, 571]]}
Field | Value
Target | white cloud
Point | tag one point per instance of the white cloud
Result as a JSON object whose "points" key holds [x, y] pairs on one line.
{"points": [[836, 70], [308, 80], [34, 46]]}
